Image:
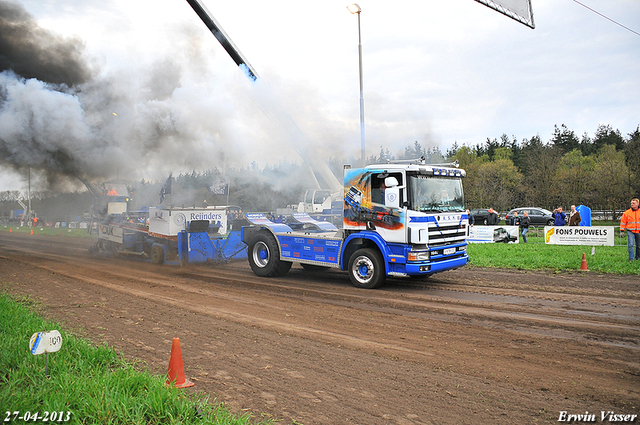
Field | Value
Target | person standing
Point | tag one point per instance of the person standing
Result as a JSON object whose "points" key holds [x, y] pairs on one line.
{"points": [[524, 225], [630, 223], [559, 218], [574, 217], [472, 220], [515, 220], [493, 218]]}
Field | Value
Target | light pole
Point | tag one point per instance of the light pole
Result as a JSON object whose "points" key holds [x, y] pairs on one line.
{"points": [[355, 9]]}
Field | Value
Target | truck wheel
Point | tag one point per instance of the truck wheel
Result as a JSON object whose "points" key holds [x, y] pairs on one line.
{"points": [[157, 254], [264, 256], [366, 269]]}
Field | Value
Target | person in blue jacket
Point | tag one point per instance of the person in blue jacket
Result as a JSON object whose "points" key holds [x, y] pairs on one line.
{"points": [[560, 218]]}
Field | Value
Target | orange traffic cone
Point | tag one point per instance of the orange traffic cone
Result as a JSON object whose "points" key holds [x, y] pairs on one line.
{"points": [[10, 229], [32, 231], [176, 368], [583, 266]]}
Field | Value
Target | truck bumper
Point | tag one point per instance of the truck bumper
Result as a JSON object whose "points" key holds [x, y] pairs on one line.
{"points": [[426, 268]]}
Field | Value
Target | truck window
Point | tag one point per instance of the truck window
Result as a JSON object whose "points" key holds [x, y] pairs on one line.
{"points": [[378, 187], [435, 194]]}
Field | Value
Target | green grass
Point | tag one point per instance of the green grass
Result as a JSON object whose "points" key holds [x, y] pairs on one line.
{"points": [[93, 383], [49, 231], [531, 256]]}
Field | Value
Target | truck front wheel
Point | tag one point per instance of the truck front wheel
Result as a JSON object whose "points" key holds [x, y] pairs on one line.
{"points": [[366, 269], [264, 256]]}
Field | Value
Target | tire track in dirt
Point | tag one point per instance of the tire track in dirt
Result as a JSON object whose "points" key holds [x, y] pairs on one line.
{"points": [[535, 313], [457, 348]]}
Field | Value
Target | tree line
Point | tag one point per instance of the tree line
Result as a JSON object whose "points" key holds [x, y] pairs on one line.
{"points": [[601, 172]]}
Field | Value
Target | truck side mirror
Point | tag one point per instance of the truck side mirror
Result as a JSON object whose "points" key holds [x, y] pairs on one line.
{"points": [[392, 197], [392, 193]]}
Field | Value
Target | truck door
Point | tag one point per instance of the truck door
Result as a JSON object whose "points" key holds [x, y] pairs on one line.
{"points": [[388, 215]]}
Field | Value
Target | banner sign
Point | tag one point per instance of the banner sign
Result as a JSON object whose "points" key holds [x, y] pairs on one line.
{"points": [[493, 234], [519, 10], [578, 235]]}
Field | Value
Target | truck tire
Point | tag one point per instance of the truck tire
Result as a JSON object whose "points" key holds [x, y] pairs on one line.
{"points": [[264, 256], [366, 269], [157, 254]]}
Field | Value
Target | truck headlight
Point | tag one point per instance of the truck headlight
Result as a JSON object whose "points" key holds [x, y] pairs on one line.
{"points": [[418, 256]]}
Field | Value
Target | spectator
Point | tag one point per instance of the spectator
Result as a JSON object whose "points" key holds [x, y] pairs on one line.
{"points": [[560, 218], [574, 217], [472, 220], [524, 225], [630, 223], [493, 219], [515, 220]]}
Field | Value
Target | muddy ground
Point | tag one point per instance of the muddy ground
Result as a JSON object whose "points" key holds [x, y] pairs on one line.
{"points": [[470, 346]]}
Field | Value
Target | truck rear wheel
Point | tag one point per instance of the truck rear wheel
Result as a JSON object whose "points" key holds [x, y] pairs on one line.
{"points": [[264, 256], [366, 269]]}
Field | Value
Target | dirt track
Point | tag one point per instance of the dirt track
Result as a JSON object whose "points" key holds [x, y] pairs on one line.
{"points": [[471, 346]]}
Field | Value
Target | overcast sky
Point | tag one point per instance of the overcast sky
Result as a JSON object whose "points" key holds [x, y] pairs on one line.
{"points": [[437, 72]]}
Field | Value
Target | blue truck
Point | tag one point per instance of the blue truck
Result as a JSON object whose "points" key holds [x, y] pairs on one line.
{"points": [[404, 219]]}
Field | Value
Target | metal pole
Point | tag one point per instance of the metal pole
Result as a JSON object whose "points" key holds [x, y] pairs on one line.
{"points": [[362, 150], [29, 196]]}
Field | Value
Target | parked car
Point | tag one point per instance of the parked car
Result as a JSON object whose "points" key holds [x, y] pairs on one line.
{"points": [[537, 216], [480, 215]]}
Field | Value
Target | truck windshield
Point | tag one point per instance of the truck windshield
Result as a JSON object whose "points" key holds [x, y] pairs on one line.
{"points": [[435, 194]]}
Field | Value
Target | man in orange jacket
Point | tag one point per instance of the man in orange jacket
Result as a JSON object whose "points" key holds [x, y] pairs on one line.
{"points": [[630, 223]]}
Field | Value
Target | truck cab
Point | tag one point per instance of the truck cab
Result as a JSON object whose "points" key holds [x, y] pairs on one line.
{"points": [[416, 209]]}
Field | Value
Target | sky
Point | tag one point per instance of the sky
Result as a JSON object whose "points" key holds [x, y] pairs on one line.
{"points": [[160, 95]]}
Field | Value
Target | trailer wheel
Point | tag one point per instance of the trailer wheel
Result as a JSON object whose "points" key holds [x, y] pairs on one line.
{"points": [[366, 269], [113, 249], [157, 254], [264, 256]]}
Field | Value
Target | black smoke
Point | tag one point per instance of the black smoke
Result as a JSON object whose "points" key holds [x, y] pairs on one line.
{"points": [[33, 52]]}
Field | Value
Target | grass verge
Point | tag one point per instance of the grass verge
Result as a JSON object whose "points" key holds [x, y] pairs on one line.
{"points": [[94, 384], [606, 259], [49, 231]]}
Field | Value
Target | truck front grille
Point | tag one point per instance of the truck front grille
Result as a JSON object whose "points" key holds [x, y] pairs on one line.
{"points": [[446, 235]]}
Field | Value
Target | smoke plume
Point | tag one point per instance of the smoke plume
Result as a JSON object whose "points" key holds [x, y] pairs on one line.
{"points": [[69, 121], [33, 52]]}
